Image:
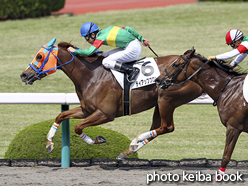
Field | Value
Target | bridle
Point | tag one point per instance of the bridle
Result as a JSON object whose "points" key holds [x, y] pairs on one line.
{"points": [[39, 71], [168, 82]]}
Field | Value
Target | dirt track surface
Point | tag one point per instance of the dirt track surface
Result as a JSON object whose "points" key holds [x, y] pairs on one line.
{"points": [[96, 175], [82, 7]]}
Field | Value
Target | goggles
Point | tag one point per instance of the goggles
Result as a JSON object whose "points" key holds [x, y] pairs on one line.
{"points": [[232, 44], [87, 37]]}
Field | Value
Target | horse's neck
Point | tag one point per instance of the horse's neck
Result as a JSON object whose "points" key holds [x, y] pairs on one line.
{"points": [[82, 72], [211, 80], [162, 62]]}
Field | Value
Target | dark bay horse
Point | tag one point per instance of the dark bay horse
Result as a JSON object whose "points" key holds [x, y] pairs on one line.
{"points": [[101, 97], [222, 84]]}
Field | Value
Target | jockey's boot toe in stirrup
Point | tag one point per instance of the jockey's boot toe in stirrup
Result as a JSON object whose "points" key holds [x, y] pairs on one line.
{"points": [[132, 72], [132, 75]]}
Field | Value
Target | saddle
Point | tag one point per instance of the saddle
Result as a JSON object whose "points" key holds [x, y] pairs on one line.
{"points": [[92, 58]]}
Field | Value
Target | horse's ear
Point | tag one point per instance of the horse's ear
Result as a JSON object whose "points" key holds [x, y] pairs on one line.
{"points": [[51, 43], [193, 49], [190, 53]]}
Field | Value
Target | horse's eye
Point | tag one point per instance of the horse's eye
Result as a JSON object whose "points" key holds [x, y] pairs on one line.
{"points": [[175, 65], [40, 57]]}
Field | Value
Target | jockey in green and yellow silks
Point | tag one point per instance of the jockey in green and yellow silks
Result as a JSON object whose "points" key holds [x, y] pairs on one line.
{"points": [[125, 39]]}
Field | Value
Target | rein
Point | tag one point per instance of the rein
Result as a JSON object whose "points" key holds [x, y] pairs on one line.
{"points": [[187, 61], [215, 100], [39, 70], [230, 78]]}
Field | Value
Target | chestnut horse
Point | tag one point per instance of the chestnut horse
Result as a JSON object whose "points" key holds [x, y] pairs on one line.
{"points": [[222, 84], [101, 97]]}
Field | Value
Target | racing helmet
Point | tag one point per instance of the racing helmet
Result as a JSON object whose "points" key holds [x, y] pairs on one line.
{"points": [[233, 35], [87, 28]]}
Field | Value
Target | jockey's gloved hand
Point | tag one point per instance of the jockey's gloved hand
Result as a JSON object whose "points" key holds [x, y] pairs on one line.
{"points": [[211, 58], [145, 43]]}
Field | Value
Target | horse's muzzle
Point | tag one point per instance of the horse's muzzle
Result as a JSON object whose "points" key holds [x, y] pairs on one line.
{"points": [[163, 84], [29, 78]]}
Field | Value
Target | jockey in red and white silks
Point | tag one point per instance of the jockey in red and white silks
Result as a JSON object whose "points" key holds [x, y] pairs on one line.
{"points": [[236, 39]]}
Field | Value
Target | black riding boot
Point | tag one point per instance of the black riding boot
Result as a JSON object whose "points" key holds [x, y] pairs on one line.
{"points": [[132, 72]]}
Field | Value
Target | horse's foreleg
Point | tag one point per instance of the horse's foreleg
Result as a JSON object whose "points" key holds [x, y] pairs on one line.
{"points": [[232, 135], [77, 113], [96, 118]]}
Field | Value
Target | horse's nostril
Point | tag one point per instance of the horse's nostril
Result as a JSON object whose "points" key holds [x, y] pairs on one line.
{"points": [[23, 75]]}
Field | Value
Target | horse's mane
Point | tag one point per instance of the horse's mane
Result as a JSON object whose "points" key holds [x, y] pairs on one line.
{"points": [[224, 64], [65, 45]]}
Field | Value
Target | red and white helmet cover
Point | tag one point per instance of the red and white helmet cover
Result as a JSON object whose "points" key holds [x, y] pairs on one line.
{"points": [[233, 35]]}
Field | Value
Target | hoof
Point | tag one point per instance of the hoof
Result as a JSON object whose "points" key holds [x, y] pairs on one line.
{"points": [[121, 157], [50, 147], [100, 139]]}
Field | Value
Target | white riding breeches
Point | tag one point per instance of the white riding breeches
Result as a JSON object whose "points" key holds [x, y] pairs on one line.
{"points": [[124, 55]]}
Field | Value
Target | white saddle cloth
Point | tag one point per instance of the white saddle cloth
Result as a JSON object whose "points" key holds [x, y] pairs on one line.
{"points": [[148, 73], [245, 88]]}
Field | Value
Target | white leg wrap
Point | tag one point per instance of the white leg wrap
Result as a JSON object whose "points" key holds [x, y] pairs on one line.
{"points": [[87, 139], [144, 136], [52, 131], [140, 145]]}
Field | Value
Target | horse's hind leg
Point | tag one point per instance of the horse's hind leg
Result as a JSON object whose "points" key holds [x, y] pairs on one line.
{"points": [[76, 113], [162, 123], [144, 138]]}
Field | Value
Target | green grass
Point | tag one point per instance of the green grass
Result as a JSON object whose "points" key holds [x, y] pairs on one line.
{"points": [[170, 30], [30, 143]]}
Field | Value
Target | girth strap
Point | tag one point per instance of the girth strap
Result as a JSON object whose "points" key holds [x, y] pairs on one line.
{"points": [[127, 96]]}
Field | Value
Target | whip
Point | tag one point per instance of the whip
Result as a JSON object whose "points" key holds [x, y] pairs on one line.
{"points": [[153, 51]]}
